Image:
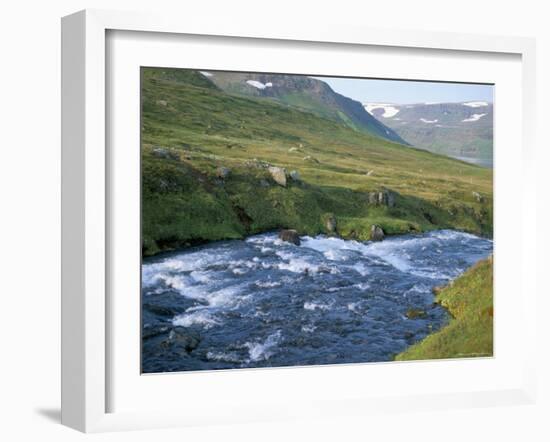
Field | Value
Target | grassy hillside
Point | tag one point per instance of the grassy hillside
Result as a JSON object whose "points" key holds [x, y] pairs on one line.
{"points": [[469, 300], [305, 93], [191, 128]]}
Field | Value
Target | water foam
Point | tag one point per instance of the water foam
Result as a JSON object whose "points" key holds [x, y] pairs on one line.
{"points": [[308, 328], [316, 306], [260, 351], [198, 317], [223, 357]]}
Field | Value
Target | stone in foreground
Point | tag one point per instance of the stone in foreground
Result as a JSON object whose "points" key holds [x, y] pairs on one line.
{"points": [[278, 174], [376, 233], [290, 235]]}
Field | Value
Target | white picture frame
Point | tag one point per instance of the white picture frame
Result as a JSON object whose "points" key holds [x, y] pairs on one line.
{"points": [[86, 314]]}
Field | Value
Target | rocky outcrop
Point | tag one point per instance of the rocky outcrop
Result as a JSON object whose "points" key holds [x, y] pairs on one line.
{"points": [[166, 154], [381, 198], [223, 172], [478, 197], [312, 159], [330, 224], [257, 164], [290, 235], [376, 233], [278, 174], [295, 176]]}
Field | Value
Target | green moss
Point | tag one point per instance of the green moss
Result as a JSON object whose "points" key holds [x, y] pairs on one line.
{"points": [[469, 299]]}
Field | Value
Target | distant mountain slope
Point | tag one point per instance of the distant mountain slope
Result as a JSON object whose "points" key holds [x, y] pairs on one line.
{"points": [[462, 130], [305, 93]]}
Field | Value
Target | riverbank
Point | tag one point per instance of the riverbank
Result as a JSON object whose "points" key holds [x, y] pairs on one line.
{"points": [[469, 300], [185, 202]]}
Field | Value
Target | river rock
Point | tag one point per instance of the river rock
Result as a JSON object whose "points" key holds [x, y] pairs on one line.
{"points": [[330, 224], [223, 172], [376, 233], [290, 235], [278, 174], [181, 339], [415, 313]]}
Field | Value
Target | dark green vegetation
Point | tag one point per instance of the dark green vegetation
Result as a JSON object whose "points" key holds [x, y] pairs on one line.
{"points": [[440, 128], [304, 93], [191, 128], [469, 299]]}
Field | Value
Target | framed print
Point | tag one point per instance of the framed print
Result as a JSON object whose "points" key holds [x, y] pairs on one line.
{"points": [[288, 223]]}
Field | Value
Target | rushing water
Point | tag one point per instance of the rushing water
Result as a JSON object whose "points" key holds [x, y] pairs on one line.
{"points": [[263, 303]]}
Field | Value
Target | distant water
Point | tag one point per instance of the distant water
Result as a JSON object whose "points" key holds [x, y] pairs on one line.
{"points": [[483, 162], [264, 303]]}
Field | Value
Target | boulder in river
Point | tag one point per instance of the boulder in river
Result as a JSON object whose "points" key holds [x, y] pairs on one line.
{"points": [[416, 313], [278, 174], [376, 233], [181, 339], [290, 235]]}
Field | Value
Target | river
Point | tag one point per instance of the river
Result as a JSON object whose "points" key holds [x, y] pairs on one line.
{"points": [[261, 302]]}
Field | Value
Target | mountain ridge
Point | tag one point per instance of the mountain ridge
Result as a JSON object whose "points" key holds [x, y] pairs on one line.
{"points": [[306, 93], [457, 129]]}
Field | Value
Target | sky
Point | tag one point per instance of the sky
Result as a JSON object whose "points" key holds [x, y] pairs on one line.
{"points": [[407, 92]]}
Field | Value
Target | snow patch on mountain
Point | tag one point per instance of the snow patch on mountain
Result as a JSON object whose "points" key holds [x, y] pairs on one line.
{"points": [[428, 121], [206, 74], [474, 117], [389, 109], [476, 104], [258, 84]]}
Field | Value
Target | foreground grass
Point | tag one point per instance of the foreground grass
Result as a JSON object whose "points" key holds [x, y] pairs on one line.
{"points": [[469, 299], [204, 128]]}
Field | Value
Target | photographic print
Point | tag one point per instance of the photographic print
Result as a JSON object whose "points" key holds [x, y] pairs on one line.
{"points": [[297, 220]]}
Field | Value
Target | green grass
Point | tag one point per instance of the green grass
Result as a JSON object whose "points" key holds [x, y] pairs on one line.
{"points": [[469, 299], [183, 203]]}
